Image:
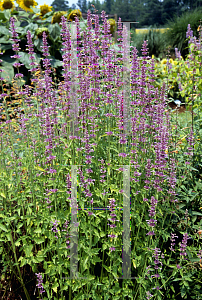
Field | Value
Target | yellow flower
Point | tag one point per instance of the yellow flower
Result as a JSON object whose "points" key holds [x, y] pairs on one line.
{"points": [[164, 61], [171, 61], [25, 4], [39, 31], [142, 30], [162, 30], [7, 4], [200, 232], [112, 23], [57, 17], [44, 10], [73, 14]]}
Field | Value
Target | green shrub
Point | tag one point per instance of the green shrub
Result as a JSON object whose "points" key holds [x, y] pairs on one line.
{"points": [[176, 36], [155, 38]]}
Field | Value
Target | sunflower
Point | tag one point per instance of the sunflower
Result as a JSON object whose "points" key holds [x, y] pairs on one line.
{"points": [[164, 61], [57, 17], [7, 4], [73, 14], [44, 10], [39, 31], [25, 4], [112, 23], [171, 61]]}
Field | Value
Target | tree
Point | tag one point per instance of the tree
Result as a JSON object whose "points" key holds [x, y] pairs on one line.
{"points": [[170, 8], [108, 6], [82, 4], [60, 5], [153, 12]]}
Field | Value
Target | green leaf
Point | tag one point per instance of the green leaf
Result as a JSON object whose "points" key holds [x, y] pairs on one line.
{"points": [[23, 261], [84, 267], [32, 27], [107, 268], [188, 253], [8, 71], [94, 251], [104, 247], [39, 168], [182, 205], [102, 234], [24, 59], [8, 235], [185, 283], [177, 279], [40, 258], [38, 230], [28, 250], [17, 243], [39, 240], [4, 31], [2, 227], [196, 213], [3, 195], [183, 292], [55, 286], [54, 30], [5, 15], [96, 259], [172, 288], [55, 62], [37, 43], [29, 210], [194, 259]]}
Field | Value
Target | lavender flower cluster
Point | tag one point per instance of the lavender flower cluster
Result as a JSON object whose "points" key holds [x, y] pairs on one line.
{"points": [[112, 220]]}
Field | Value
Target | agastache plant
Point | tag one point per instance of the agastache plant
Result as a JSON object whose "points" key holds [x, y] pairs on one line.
{"points": [[172, 238], [67, 235], [54, 228], [100, 124], [15, 46], [152, 214], [112, 220], [183, 245], [40, 283]]}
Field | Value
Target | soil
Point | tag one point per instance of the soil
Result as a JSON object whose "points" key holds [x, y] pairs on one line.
{"points": [[180, 109]]}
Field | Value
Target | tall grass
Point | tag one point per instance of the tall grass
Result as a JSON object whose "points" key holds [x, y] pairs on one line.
{"points": [[156, 41], [176, 36]]}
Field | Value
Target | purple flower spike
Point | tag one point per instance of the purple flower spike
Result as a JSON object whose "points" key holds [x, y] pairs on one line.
{"points": [[54, 229], [67, 235], [189, 33], [31, 50], [40, 283], [15, 46], [184, 245], [173, 240], [112, 220]]}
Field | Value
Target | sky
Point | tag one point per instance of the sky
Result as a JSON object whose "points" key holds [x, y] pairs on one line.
{"points": [[41, 2]]}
